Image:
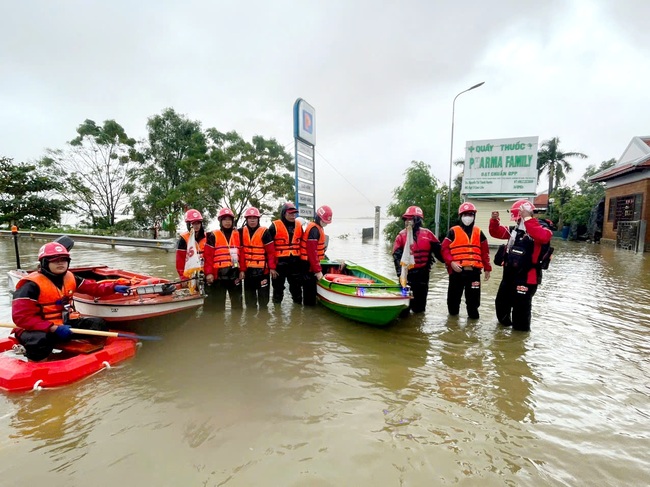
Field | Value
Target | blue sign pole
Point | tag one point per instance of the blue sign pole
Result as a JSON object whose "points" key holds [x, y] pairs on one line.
{"points": [[304, 132]]}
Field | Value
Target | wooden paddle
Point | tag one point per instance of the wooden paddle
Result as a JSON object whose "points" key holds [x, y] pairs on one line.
{"points": [[114, 334]]}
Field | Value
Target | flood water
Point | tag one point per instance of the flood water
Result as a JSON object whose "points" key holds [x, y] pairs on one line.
{"points": [[302, 397]]}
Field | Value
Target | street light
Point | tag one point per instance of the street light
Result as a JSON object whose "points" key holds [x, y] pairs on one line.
{"points": [[451, 151]]}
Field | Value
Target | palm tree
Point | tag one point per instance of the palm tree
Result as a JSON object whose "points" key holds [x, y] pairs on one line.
{"points": [[551, 159]]}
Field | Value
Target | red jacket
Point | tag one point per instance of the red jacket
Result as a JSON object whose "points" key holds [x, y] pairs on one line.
{"points": [[312, 247], [28, 303], [537, 232], [425, 247]]}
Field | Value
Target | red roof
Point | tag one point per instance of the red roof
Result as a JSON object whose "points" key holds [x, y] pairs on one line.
{"points": [[616, 171], [541, 200]]}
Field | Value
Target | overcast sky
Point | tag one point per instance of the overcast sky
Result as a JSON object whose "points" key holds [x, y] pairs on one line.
{"points": [[381, 76]]}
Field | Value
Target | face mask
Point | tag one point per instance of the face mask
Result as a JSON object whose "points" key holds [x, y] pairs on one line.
{"points": [[467, 220]]}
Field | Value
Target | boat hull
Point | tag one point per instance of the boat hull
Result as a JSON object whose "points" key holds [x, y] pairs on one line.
{"points": [[140, 305], [362, 295], [17, 375]]}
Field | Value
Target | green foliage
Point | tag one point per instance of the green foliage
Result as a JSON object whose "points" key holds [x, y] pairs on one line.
{"points": [[420, 188], [23, 196], [95, 171], [596, 191], [554, 161], [170, 179], [256, 173], [576, 208], [572, 207]]}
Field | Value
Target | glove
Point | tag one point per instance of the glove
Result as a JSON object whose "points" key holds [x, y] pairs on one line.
{"points": [[119, 288], [63, 332]]}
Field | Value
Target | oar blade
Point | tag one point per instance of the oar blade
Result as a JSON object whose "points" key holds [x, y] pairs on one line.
{"points": [[139, 337]]}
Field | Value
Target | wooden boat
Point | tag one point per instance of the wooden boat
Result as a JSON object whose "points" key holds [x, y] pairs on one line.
{"points": [[360, 294], [149, 296], [76, 361]]}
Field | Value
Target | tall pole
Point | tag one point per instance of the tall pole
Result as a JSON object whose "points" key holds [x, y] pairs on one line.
{"points": [[451, 150]]}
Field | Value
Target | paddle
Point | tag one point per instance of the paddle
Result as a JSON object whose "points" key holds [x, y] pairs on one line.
{"points": [[14, 232], [114, 334]]}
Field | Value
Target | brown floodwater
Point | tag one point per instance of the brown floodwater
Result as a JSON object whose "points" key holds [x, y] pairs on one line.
{"points": [[298, 396]]}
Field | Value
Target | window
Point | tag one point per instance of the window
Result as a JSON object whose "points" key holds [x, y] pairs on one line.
{"points": [[611, 211], [625, 208]]}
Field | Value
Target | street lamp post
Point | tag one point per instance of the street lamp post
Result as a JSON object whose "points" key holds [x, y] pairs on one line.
{"points": [[451, 151]]}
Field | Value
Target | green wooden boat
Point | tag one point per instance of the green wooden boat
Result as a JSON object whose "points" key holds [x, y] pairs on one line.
{"points": [[360, 294]]}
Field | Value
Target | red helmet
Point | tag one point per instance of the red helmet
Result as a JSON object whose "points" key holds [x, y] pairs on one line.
{"points": [[514, 209], [412, 212], [252, 211], [52, 249], [193, 216], [224, 212], [325, 214], [466, 208]]}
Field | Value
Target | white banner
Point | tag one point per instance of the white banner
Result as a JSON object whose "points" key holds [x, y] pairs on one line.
{"points": [[501, 166]]}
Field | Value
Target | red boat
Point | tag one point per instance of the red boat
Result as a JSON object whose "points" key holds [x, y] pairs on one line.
{"points": [[148, 296], [75, 362]]}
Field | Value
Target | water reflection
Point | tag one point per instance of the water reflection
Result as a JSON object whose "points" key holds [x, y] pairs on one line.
{"points": [[304, 397], [514, 378]]}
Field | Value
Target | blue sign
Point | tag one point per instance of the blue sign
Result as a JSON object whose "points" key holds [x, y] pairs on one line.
{"points": [[304, 122]]}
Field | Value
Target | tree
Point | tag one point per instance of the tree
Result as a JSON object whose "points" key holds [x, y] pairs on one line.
{"points": [[419, 188], [595, 191], [554, 161], [169, 178], [577, 209], [256, 173], [24, 200], [95, 171]]}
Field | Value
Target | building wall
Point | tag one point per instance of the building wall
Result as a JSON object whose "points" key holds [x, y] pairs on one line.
{"points": [[484, 209], [637, 187]]}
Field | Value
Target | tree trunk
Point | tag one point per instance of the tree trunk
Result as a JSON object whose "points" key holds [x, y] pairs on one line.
{"points": [[551, 175]]}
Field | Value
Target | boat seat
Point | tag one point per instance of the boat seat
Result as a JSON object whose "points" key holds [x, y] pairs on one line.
{"points": [[345, 279]]}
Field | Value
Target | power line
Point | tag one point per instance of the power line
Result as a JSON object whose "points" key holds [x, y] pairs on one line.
{"points": [[344, 178]]}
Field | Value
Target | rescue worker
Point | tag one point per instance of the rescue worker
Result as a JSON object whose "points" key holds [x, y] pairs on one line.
{"points": [[528, 240], [425, 250], [312, 251], [258, 258], [42, 304], [466, 253], [193, 221], [287, 235], [222, 257]]}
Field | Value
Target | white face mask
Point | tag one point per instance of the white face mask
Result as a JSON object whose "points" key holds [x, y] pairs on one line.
{"points": [[467, 220]]}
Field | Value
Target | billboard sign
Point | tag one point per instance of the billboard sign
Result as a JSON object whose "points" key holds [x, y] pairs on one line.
{"points": [[501, 167], [304, 118], [304, 132]]}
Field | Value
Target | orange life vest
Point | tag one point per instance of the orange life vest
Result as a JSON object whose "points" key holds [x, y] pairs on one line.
{"points": [[51, 299], [466, 251], [254, 248], [321, 242], [200, 245], [222, 257], [284, 248]]}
